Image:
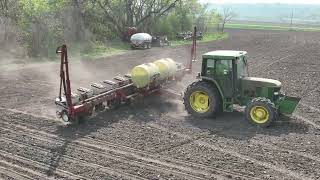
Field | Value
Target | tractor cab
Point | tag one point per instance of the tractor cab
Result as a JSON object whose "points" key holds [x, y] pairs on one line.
{"points": [[226, 68], [229, 69], [224, 81]]}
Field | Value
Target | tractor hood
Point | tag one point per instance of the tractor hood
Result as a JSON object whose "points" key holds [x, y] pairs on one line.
{"points": [[262, 82]]}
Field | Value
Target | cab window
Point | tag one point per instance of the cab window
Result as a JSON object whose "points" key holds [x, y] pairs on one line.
{"points": [[241, 68], [210, 66], [223, 67]]}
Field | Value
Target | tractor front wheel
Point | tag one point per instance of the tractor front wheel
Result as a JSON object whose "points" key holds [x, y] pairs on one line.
{"points": [[202, 99], [261, 112]]}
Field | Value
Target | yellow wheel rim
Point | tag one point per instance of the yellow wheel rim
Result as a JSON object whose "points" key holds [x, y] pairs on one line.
{"points": [[259, 114], [199, 101]]}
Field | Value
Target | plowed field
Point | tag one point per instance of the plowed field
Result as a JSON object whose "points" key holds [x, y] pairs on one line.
{"points": [[156, 139]]}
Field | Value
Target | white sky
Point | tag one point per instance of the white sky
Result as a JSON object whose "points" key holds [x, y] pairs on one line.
{"points": [[262, 1]]}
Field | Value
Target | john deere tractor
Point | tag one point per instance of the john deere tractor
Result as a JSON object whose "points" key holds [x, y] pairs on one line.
{"points": [[224, 82]]}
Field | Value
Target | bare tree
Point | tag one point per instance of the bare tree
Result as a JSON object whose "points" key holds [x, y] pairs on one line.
{"points": [[125, 13], [226, 17]]}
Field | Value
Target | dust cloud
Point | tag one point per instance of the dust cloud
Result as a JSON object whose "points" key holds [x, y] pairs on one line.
{"points": [[36, 80]]}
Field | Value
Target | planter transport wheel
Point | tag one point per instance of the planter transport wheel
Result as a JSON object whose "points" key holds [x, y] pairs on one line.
{"points": [[65, 116]]}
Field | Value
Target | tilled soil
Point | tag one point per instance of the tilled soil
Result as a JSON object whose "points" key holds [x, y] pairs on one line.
{"points": [[156, 139]]}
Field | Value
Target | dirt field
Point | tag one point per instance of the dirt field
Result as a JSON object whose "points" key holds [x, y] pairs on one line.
{"points": [[156, 139]]}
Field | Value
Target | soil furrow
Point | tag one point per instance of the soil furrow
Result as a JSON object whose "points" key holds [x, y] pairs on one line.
{"points": [[11, 174], [309, 106], [69, 161], [142, 156], [276, 148], [259, 150], [284, 171], [138, 160], [32, 168], [184, 136], [30, 114], [43, 168], [119, 159], [310, 122]]}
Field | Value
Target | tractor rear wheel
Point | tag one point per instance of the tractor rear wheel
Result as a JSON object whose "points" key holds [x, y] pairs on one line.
{"points": [[202, 99], [261, 112]]}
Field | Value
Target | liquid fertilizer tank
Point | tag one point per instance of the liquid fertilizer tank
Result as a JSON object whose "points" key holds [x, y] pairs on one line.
{"points": [[144, 74], [172, 65], [166, 67]]}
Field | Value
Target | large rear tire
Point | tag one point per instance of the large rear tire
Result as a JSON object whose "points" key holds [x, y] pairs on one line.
{"points": [[261, 112], [202, 99]]}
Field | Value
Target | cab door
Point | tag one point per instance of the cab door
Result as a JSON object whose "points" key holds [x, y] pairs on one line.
{"points": [[224, 76]]}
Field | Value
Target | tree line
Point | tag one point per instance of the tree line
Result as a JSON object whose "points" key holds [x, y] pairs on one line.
{"points": [[40, 25]]}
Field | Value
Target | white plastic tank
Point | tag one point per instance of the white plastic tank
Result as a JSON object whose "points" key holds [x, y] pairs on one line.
{"points": [[167, 67], [140, 38], [173, 65], [144, 74]]}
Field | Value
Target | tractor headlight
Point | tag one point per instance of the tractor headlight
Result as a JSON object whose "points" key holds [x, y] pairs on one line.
{"points": [[276, 93]]}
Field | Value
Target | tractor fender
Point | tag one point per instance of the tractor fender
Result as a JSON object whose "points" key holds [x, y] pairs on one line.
{"points": [[215, 84]]}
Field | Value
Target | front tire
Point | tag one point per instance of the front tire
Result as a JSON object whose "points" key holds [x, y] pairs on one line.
{"points": [[261, 112], [202, 99]]}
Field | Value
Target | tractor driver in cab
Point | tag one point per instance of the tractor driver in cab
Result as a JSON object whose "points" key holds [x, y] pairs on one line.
{"points": [[223, 67]]}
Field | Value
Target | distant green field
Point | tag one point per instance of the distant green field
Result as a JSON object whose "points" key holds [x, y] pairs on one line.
{"points": [[270, 27]]}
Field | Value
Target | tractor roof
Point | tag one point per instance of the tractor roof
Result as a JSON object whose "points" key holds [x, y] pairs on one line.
{"points": [[226, 54]]}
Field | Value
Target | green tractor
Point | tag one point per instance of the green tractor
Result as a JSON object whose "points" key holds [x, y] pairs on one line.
{"points": [[224, 82]]}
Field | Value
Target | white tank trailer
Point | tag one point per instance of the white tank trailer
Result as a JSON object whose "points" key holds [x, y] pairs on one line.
{"points": [[141, 40]]}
